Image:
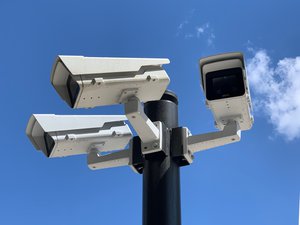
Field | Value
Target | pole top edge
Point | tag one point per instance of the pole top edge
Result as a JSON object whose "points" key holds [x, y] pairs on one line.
{"points": [[170, 96]]}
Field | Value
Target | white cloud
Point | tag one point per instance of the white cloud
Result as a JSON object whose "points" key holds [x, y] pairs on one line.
{"points": [[210, 39], [184, 23], [201, 29], [188, 36], [190, 29], [181, 25], [203, 32], [277, 91]]}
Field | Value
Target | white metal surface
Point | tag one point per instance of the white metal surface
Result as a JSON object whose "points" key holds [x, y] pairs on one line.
{"points": [[236, 108], [96, 161], [104, 81], [76, 134], [149, 132], [154, 145], [188, 154], [144, 127], [230, 134], [79, 65]]}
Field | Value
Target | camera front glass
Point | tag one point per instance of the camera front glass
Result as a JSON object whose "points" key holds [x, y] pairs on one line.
{"points": [[225, 84], [49, 143], [73, 89]]}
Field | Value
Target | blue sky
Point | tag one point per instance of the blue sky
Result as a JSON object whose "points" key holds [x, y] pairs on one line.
{"points": [[253, 182]]}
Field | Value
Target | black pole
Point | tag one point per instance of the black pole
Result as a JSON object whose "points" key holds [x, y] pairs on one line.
{"points": [[161, 175]]}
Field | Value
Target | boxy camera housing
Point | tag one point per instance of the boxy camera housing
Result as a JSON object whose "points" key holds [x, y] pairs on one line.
{"points": [[61, 135], [86, 82], [226, 89]]}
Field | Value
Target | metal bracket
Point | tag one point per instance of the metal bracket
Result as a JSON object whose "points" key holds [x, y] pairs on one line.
{"points": [[180, 152], [154, 145], [136, 158], [230, 134], [96, 161], [128, 93], [149, 132]]}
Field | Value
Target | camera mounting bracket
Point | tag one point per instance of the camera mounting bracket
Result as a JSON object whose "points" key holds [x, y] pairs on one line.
{"points": [[97, 161], [230, 134], [149, 132]]}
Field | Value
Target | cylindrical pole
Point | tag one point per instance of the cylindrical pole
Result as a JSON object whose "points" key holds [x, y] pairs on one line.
{"points": [[161, 175]]}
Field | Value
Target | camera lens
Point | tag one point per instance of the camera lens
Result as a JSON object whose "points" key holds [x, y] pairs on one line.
{"points": [[73, 89], [49, 143], [224, 84]]}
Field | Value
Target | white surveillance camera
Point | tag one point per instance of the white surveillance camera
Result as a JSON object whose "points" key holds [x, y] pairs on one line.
{"points": [[86, 82], [226, 88], [59, 136]]}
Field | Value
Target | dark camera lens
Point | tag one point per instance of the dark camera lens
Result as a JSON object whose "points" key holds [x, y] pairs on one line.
{"points": [[49, 143], [224, 84], [73, 89]]}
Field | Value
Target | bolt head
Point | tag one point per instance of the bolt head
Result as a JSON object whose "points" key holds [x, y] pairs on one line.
{"points": [[155, 145]]}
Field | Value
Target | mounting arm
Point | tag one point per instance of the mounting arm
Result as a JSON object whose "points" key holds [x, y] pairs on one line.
{"points": [[96, 161], [230, 134], [145, 128], [150, 133]]}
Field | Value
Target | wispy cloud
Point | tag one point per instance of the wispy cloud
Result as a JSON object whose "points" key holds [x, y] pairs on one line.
{"points": [[185, 22], [188, 36], [277, 91], [182, 24], [190, 28], [210, 39], [200, 30]]}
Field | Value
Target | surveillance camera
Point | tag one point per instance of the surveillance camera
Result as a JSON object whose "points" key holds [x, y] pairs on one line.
{"points": [[58, 135], [86, 82], [226, 88]]}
